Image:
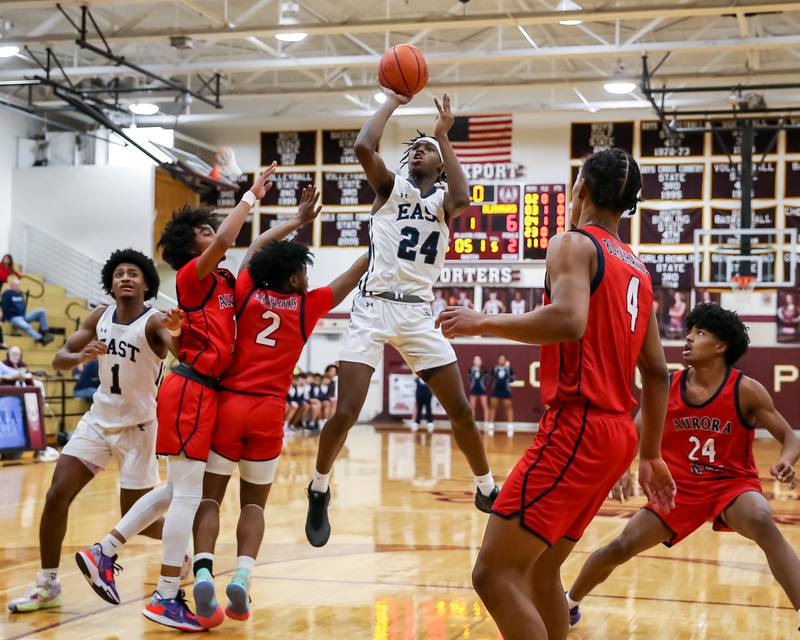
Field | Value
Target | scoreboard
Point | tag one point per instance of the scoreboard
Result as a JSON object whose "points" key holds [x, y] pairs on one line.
{"points": [[545, 216], [508, 222]]}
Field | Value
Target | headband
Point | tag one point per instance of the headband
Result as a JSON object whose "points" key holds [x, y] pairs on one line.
{"points": [[434, 142]]}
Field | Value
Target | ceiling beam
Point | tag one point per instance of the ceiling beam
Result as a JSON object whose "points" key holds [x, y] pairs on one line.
{"points": [[440, 57], [420, 23]]}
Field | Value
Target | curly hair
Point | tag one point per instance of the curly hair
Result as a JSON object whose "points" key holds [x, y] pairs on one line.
{"points": [[613, 179], [131, 256], [407, 153], [725, 325], [177, 240], [273, 265]]}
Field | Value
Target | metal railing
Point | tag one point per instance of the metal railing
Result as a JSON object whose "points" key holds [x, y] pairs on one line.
{"points": [[78, 273]]}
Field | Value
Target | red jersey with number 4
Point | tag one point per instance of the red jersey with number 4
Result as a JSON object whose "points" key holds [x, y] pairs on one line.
{"points": [[708, 441], [272, 329], [599, 367], [209, 325]]}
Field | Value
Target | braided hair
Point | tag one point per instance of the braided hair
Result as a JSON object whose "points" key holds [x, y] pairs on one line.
{"points": [[407, 153], [613, 179]]}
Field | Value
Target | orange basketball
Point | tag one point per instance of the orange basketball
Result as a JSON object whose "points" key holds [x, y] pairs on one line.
{"points": [[403, 70]]}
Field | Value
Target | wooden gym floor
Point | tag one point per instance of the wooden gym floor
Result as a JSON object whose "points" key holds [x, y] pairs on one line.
{"points": [[397, 567]]}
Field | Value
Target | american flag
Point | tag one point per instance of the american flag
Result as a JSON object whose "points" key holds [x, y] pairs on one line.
{"points": [[482, 139]]}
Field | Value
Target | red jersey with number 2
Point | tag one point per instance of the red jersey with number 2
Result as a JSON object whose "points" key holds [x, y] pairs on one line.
{"points": [[271, 331], [599, 367], [707, 441]]}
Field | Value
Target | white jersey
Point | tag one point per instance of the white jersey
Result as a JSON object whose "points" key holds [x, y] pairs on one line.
{"points": [[517, 307], [408, 241], [129, 372], [492, 307]]}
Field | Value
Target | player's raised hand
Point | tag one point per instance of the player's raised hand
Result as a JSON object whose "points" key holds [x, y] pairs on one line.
{"points": [[263, 184], [460, 321], [623, 490], [657, 483], [783, 472], [399, 100], [92, 351], [446, 119], [309, 208], [172, 319]]}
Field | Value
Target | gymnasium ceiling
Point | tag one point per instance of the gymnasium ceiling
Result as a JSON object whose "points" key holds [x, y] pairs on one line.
{"points": [[491, 54]]}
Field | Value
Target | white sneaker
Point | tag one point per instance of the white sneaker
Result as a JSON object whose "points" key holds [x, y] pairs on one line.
{"points": [[43, 596], [414, 426], [490, 428], [431, 427], [48, 454], [510, 429]]}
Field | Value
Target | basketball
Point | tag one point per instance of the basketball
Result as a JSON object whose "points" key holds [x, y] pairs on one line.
{"points": [[403, 70]]}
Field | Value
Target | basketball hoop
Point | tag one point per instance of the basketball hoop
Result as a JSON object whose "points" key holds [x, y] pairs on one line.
{"points": [[743, 282]]}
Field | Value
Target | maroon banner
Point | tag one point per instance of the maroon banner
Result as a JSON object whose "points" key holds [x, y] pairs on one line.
{"points": [[657, 142], [670, 226], [777, 368], [726, 181], [589, 137], [672, 181]]}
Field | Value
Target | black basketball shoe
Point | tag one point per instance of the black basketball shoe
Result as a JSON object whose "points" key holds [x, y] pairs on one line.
{"points": [[484, 503], [318, 527]]}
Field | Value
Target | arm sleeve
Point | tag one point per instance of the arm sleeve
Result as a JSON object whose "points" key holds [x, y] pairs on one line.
{"points": [[192, 291], [318, 303]]}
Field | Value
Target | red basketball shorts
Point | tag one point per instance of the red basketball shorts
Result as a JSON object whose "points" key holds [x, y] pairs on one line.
{"points": [[561, 481], [704, 502], [187, 413], [248, 427]]}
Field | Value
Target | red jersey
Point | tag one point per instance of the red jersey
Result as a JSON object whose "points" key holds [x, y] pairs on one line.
{"points": [[272, 329], [709, 441], [209, 325], [599, 367]]}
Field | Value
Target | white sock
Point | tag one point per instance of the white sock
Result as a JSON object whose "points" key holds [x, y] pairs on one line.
{"points": [[168, 586], [46, 575], [111, 545], [572, 603], [485, 483], [144, 512], [204, 555], [319, 481], [245, 562]]}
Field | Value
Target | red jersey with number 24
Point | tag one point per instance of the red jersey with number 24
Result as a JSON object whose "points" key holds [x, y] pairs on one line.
{"points": [[708, 441], [209, 326], [271, 331], [599, 367]]}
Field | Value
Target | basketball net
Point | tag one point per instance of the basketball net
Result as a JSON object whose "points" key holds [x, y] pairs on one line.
{"points": [[744, 282]]}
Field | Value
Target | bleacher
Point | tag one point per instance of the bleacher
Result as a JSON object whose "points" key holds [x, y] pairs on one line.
{"points": [[64, 314]]}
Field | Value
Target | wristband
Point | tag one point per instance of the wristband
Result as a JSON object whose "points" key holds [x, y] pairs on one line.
{"points": [[250, 198], [176, 333]]}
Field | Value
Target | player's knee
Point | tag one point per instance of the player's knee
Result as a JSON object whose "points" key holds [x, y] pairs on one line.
{"points": [[58, 495], [345, 416], [620, 550], [761, 525], [481, 579], [461, 416]]}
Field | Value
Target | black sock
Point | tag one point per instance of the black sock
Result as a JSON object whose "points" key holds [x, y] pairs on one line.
{"points": [[204, 563]]}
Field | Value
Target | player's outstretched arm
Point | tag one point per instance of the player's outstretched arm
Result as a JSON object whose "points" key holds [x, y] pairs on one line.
{"points": [[760, 410], [163, 331], [82, 345], [232, 225], [456, 198], [366, 147], [654, 476], [307, 211], [346, 282], [570, 260]]}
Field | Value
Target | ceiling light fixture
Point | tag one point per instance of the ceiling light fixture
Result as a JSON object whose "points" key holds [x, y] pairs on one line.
{"points": [[8, 51], [143, 108], [380, 97], [619, 84], [569, 5], [290, 12]]}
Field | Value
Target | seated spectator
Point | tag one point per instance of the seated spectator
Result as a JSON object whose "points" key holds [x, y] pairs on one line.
{"points": [[9, 376], [7, 270], [88, 380], [14, 361], [14, 303]]}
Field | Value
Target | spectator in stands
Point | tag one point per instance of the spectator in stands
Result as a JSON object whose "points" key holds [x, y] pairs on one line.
{"points": [[14, 361], [9, 376], [423, 397], [7, 270], [88, 380], [14, 303]]}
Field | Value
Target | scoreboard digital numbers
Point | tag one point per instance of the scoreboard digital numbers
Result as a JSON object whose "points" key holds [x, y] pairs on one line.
{"points": [[544, 215], [489, 229]]}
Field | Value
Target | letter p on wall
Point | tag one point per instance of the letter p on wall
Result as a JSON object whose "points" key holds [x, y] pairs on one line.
{"points": [[784, 373]]}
